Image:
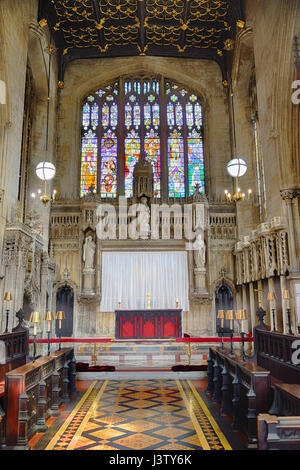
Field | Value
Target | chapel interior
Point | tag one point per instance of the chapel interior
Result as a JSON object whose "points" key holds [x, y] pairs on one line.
{"points": [[150, 225]]}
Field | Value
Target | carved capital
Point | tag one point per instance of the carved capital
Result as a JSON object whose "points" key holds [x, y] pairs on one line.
{"points": [[289, 194]]}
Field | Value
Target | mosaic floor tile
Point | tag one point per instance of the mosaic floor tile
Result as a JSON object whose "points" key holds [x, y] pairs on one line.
{"points": [[139, 415]]}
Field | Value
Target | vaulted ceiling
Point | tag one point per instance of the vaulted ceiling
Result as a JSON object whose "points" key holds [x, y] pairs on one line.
{"points": [[113, 28]]}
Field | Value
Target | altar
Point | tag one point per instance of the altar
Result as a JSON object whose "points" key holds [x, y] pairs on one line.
{"points": [[148, 323]]}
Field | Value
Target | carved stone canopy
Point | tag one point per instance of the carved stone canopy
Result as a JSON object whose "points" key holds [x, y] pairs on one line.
{"points": [[143, 179]]}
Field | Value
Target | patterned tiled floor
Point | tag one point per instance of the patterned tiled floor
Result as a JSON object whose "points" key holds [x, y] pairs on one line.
{"points": [[139, 415]]}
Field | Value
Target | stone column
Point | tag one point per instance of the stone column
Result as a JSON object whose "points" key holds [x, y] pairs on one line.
{"points": [[252, 306], [288, 195]]}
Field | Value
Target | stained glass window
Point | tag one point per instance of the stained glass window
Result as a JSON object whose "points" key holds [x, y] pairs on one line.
{"points": [[122, 123]]}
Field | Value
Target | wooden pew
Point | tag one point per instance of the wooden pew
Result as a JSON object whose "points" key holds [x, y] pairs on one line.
{"points": [[278, 432], [16, 347], [286, 400], [241, 389], [33, 392], [273, 351]]}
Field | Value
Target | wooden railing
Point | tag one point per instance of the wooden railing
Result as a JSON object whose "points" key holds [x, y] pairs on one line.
{"points": [[241, 389], [274, 351]]}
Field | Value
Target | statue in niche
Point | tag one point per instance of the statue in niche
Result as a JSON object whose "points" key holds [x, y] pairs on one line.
{"points": [[199, 251], [144, 218], [89, 249]]}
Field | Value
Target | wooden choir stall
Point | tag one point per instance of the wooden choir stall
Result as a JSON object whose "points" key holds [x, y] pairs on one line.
{"points": [[261, 393], [30, 392]]}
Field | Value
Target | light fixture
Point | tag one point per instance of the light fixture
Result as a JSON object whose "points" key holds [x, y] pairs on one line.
{"points": [[242, 316], [271, 299], [46, 170], [236, 167], [229, 315], [60, 316], [49, 317], [221, 316], [7, 298], [35, 318], [286, 296]]}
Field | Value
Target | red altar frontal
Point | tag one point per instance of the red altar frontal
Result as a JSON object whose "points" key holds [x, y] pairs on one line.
{"points": [[136, 324]]}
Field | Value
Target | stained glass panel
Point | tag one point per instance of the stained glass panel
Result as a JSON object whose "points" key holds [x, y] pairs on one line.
{"points": [[176, 165], [114, 116], [108, 175], [132, 155], [128, 115], [195, 162], [94, 116], [105, 115], [170, 115], [100, 116], [152, 150], [86, 112], [89, 152]]}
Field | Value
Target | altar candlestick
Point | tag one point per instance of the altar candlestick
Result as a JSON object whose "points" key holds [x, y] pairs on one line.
{"points": [[149, 296]]}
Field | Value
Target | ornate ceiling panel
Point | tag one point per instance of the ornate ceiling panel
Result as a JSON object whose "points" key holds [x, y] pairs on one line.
{"points": [[111, 28]]}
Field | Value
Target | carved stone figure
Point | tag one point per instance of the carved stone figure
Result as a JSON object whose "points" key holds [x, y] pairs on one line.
{"points": [[89, 248], [199, 251], [144, 218]]}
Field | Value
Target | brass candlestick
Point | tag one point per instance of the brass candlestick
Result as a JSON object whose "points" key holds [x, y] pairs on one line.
{"points": [[286, 297], [49, 317], [60, 316], [35, 318], [148, 296], [242, 316], [221, 316], [230, 316], [271, 299], [7, 298]]}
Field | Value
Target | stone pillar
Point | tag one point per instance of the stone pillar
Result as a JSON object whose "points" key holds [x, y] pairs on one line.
{"points": [[89, 281], [200, 277], [252, 306], [288, 195]]}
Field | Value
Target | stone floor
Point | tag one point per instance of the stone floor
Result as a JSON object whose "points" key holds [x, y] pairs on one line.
{"points": [[139, 415]]}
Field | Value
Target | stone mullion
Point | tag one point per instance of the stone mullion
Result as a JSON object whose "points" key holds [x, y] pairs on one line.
{"points": [[185, 146], [164, 180], [121, 140]]}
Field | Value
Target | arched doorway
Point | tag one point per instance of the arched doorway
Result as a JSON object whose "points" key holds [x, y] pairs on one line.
{"points": [[65, 302], [224, 301]]}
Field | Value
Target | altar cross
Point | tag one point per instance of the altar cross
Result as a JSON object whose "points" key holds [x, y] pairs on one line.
{"points": [[148, 296]]}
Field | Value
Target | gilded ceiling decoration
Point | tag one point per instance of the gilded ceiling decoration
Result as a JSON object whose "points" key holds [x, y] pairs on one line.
{"points": [[112, 28]]}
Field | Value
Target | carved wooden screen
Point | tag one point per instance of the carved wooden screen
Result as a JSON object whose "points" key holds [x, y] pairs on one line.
{"points": [[224, 301], [65, 302]]}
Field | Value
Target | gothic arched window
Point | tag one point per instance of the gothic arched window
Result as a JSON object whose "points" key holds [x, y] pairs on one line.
{"points": [[142, 117]]}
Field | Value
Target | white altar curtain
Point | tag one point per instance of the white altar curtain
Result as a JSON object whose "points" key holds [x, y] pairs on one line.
{"points": [[127, 277]]}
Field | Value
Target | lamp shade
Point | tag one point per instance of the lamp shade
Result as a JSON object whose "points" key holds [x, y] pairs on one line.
{"points": [[221, 314], [8, 296], [35, 317], [49, 316], [241, 314], [45, 171], [60, 315], [286, 295], [230, 315], [236, 167], [271, 296]]}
